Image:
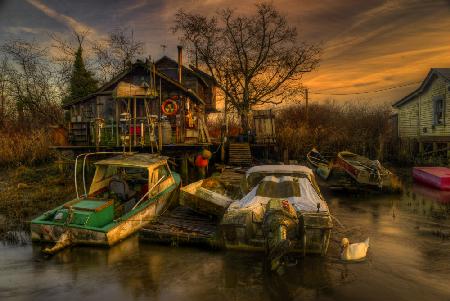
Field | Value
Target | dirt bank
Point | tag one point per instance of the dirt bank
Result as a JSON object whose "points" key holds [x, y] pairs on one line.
{"points": [[27, 192]]}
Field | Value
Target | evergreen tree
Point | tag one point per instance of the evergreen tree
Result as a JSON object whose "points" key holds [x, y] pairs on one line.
{"points": [[82, 82]]}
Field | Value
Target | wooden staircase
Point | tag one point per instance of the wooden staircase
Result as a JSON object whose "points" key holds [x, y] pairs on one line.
{"points": [[239, 154]]}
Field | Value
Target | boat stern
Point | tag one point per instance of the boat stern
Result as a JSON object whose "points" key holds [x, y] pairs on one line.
{"points": [[83, 218], [46, 232], [315, 231]]}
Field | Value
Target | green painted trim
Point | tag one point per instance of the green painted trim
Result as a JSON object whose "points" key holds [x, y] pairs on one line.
{"points": [[108, 227]]}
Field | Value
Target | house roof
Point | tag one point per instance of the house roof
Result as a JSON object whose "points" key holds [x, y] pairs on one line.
{"points": [[442, 72], [204, 77], [103, 90]]}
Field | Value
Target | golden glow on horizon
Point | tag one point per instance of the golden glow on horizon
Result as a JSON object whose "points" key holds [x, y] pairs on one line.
{"points": [[367, 45]]}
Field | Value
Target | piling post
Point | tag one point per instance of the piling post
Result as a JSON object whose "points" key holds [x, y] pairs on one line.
{"points": [[286, 156], [436, 157], [184, 169], [421, 155], [448, 153]]}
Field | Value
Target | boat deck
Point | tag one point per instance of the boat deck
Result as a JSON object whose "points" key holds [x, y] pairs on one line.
{"points": [[182, 225]]}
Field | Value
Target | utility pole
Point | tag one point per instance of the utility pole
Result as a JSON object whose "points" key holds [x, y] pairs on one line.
{"points": [[163, 46], [196, 57], [226, 110], [306, 105], [224, 126]]}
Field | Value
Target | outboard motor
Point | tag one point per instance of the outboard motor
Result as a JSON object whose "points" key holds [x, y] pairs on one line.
{"points": [[280, 226]]}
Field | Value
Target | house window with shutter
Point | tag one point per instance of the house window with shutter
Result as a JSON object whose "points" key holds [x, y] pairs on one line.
{"points": [[438, 110]]}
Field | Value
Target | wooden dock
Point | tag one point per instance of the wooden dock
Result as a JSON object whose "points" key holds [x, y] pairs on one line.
{"points": [[185, 226], [182, 225]]}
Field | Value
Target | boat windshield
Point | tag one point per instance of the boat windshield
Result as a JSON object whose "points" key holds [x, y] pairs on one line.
{"points": [[130, 173], [132, 180], [254, 178], [278, 189]]}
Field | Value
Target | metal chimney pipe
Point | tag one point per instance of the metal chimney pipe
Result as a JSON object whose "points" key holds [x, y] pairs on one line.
{"points": [[180, 62]]}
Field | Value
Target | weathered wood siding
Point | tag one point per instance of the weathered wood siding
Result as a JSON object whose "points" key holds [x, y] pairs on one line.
{"points": [[408, 119], [415, 118], [190, 80], [437, 87]]}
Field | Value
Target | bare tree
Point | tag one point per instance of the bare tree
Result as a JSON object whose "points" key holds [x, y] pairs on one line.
{"points": [[255, 59], [114, 54], [30, 83], [3, 89]]}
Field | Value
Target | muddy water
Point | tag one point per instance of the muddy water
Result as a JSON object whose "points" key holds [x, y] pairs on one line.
{"points": [[409, 259]]}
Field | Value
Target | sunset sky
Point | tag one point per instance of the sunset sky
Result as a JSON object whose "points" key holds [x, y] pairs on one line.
{"points": [[368, 45]]}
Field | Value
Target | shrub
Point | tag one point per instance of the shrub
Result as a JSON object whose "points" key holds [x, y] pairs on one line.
{"points": [[331, 128], [24, 147]]}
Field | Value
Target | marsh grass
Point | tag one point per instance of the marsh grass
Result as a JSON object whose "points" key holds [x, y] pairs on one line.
{"points": [[331, 128], [27, 192], [24, 147]]}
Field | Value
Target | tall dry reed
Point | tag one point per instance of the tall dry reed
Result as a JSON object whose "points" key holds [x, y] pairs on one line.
{"points": [[24, 147], [331, 128]]}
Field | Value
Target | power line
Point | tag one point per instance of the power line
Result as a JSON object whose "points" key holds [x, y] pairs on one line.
{"points": [[365, 92]]}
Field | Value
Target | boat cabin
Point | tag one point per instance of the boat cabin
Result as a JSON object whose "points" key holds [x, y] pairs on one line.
{"points": [[130, 179]]}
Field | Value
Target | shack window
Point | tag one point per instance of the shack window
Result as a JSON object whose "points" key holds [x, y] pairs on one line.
{"points": [[438, 110]]}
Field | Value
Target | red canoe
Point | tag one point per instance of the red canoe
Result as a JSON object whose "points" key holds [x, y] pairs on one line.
{"points": [[438, 177]]}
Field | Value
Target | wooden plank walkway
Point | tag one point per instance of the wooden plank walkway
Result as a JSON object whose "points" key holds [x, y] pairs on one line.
{"points": [[182, 225]]}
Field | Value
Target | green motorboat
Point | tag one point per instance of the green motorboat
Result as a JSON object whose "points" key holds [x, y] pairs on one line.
{"points": [[127, 192]]}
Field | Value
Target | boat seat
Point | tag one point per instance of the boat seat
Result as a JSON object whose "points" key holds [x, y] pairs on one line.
{"points": [[120, 187]]}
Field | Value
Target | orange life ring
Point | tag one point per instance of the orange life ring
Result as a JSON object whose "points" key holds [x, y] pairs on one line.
{"points": [[169, 107]]}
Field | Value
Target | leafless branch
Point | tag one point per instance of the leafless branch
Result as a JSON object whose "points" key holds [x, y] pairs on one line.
{"points": [[258, 55]]}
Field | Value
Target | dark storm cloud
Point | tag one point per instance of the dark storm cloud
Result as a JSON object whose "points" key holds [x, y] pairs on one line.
{"points": [[367, 44]]}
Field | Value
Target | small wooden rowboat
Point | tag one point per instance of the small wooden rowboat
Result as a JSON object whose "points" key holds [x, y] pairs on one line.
{"points": [[437, 177], [127, 192], [314, 158], [319, 163], [363, 170], [205, 196]]}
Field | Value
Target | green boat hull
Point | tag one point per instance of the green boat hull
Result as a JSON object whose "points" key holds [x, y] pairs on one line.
{"points": [[43, 229]]}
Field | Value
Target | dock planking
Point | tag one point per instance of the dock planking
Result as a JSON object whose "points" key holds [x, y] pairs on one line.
{"points": [[182, 225]]}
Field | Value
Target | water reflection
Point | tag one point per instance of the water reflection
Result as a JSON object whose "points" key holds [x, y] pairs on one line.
{"points": [[406, 261], [138, 271]]}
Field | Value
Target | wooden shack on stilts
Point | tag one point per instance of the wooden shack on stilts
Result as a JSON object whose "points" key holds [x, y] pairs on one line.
{"points": [[149, 107]]}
